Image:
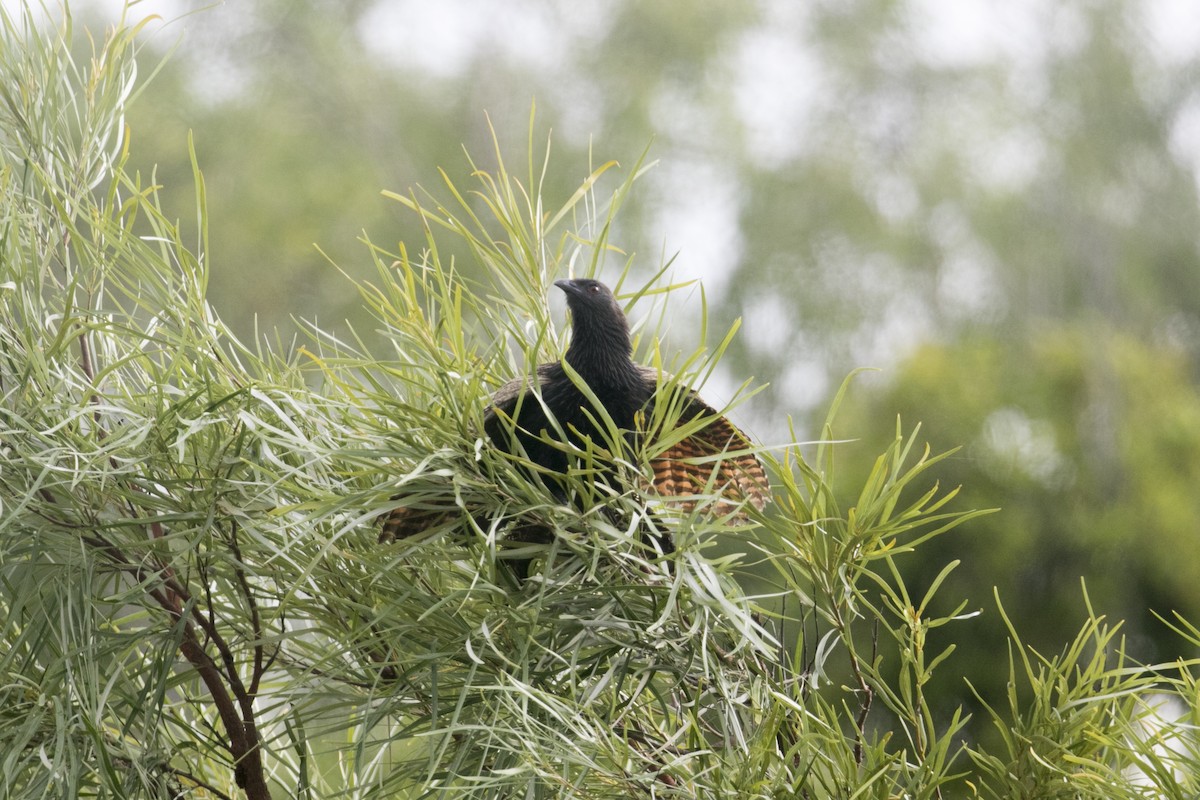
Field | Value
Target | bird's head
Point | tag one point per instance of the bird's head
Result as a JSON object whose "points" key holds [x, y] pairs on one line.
{"points": [[598, 321], [589, 297]]}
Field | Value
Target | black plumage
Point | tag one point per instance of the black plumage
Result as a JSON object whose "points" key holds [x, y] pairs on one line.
{"points": [[600, 354], [713, 460]]}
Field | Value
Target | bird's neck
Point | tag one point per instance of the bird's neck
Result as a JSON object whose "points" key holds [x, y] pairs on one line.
{"points": [[602, 353]]}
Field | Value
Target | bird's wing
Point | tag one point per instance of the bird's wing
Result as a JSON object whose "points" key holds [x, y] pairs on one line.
{"points": [[509, 392], [507, 395], [407, 521], [716, 460]]}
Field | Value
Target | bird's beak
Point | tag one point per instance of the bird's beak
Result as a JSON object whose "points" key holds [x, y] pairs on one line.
{"points": [[570, 287]]}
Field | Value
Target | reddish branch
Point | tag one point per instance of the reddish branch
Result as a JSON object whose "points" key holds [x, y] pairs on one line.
{"points": [[235, 704]]}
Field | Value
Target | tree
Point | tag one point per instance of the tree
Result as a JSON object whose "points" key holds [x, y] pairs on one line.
{"points": [[195, 602], [1090, 439]]}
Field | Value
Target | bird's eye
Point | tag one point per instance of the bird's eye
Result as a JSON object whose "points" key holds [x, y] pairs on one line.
{"points": [[594, 289]]}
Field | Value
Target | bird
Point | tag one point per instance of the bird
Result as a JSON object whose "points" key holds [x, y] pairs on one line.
{"points": [[547, 416]]}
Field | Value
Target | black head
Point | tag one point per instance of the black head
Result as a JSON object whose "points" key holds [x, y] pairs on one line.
{"points": [[587, 296], [600, 334]]}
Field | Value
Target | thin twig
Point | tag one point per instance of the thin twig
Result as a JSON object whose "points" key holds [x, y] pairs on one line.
{"points": [[205, 785], [864, 688], [255, 619], [868, 694]]}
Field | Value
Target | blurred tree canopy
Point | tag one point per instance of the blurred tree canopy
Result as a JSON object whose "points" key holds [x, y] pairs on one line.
{"points": [[995, 205], [1088, 441]]}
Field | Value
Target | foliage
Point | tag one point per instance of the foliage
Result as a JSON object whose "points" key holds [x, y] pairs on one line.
{"points": [[1091, 438], [195, 602]]}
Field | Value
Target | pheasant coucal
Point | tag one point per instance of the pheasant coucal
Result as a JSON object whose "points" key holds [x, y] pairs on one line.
{"points": [[600, 354]]}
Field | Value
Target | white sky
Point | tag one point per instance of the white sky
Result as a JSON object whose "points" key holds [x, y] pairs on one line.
{"points": [[958, 32]]}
